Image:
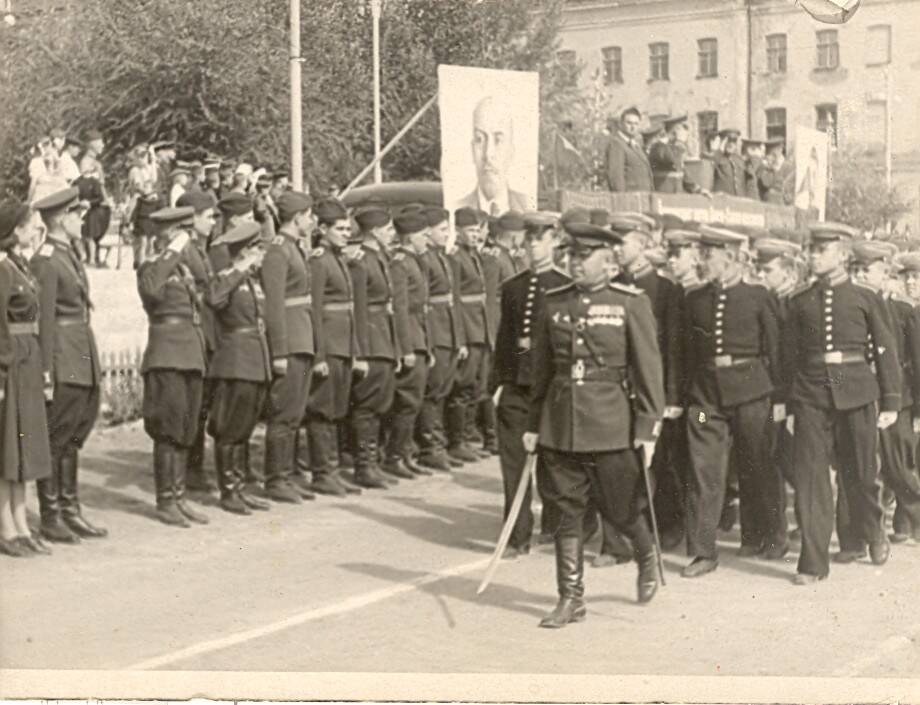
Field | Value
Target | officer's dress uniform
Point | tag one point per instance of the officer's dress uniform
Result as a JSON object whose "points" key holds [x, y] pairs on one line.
{"points": [[337, 345], [667, 162], [71, 361], [522, 303], [597, 388], [409, 279], [834, 396], [239, 375], [446, 338], [372, 395], [733, 366], [729, 175], [24, 451], [471, 383], [285, 280], [173, 367]]}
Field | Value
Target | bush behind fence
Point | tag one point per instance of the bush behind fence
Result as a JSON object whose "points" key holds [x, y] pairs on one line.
{"points": [[122, 386]]}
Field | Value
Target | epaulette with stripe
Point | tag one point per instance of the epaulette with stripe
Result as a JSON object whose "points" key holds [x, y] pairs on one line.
{"points": [[515, 276], [561, 289], [318, 252], [625, 288], [45, 250]]}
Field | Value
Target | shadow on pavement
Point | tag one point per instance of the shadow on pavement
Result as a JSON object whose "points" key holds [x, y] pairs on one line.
{"points": [[102, 500], [477, 482], [122, 468]]}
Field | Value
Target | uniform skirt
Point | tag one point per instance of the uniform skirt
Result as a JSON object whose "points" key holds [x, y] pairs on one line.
{"points": [[24, 450]]}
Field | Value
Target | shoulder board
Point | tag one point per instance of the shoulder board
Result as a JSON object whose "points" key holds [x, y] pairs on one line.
{"points": [[318, 252], [278, 240], [561, 289], [625, 288], [225, 272], [398, 257], [560, 270], [45, 250]]}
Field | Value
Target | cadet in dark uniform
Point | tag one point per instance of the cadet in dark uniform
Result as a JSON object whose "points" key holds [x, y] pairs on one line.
{"points": [[174, 362], [196, 258], [372, 395], [338, 355], [522, 301], [70, 363], [833, 397], [728, 167], [753, 156], [447, 343], [285, 278], [24, 452], [240, 371], [595, 408], [732, 367]]}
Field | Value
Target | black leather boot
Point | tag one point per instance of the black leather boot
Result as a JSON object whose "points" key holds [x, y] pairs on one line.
{"points": [[179, 480], [52, 526], [196, 478], [164, 461], [71, 511], [300, 470], [279, 460], [454, 426], [569, 579], [647, 580], [253, 480], [228, 480], [240, 453], [321, 448], [365, 454]]}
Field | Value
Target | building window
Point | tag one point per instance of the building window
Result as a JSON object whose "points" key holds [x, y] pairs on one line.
{"points": [[776, 124], [776, 53], [707, 122], [878, 45], [613, 64], [567, 61], [826, 121], [828, 49], [658, 61], [708, 53]]}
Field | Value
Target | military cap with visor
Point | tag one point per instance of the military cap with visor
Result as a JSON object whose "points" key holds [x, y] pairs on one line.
{"points": [[585, 236], [12, 213], [239, 235], [59, 200], [769, 248], [720, 237], [199, 200], [829, 231], [511, 221], [465, 218], [179, 215]]}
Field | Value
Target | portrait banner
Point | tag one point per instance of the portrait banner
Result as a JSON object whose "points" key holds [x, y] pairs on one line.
{"points": [[490, 136], [811, 152]]}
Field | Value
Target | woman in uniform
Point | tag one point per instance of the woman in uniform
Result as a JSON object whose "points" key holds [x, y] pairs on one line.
{"points": [[24, 451]]}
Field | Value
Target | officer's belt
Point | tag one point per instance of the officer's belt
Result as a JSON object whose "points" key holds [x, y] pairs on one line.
{"points": [[72, 320], [473, 298], [593, 374], [175, 320], [23, 328], [732, 360], [666, 174], [837, 357], [440, 299], [258, 328], [380, 307], [339, 306], [298, 301]]}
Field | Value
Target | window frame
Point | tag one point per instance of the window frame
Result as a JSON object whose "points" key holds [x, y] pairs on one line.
{"points": [[827, 50], [777, 55], [770, 126], [607, 61], [659, 61], [708, 55], [703, 125], [887, 28]]}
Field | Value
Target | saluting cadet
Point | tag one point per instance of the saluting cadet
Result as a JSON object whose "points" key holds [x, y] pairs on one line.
{"points": [[70, 363], [667, 159], [240, 370], [522, 302], [834, 393], [595, 408], [472, 376], [732, 367], [174, 362], [872, 268], [196, 258], [24, 452], [409, 279], [289, 320], [906, 522], [728, 166], [372, 394], [447, 342], [338, 355]]}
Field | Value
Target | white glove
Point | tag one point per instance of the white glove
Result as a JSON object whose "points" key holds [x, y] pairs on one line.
{"points": [[530, 441], [779, 412], [886, 418], [673, 412]]}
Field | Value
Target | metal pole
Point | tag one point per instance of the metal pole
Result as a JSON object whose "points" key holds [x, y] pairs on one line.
{"points": [[375, 11], [888, 123], [296, 101]]}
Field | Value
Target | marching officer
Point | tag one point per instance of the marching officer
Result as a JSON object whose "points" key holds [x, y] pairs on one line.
{"points": [[174, 362], [198, 262], [448, 347], [409, 280], [522, 302], [240, 370], [732, 367], [595, 410], [372, 395], [837, 401], [338, 355], [70, 362], [728, 167], [289, 320]]}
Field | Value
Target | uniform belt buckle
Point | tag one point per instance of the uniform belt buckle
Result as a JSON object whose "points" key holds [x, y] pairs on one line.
{"points": [[524, 342], [723, 360], [833, 358]]}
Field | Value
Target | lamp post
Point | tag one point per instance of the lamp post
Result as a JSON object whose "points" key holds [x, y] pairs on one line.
{"points": [[375, 13], [296, 101]]}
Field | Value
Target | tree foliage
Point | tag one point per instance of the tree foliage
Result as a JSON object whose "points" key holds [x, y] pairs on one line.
{"points": [[858, 195], [213, 75]]}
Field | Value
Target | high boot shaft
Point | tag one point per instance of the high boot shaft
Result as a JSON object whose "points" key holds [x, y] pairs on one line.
{"points": [[279, 462], [229, 479], [180, 474], [53, 527], [569, 581], [69, 494], [164, 460], [240, 458]]}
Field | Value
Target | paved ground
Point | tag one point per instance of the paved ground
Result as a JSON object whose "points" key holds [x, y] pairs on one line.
{"points": [[386, 583]]}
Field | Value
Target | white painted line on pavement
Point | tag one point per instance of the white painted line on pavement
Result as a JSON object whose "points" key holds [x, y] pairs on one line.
{"points": [[877, 654], [348, 605]]}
